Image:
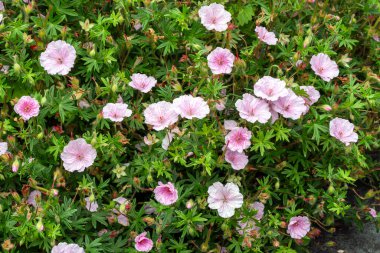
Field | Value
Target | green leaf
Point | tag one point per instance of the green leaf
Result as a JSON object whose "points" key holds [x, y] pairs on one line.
{"points": [[245, 14]]}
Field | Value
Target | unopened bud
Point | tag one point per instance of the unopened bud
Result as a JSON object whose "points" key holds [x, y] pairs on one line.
{"points": [[326, 108], [331, 189], [15, 165], [40, 226], [16, 67], [92, 52], [54, 192], [92, 198], [190, 203]]}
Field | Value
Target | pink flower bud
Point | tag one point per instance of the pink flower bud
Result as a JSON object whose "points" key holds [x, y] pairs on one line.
{"points": [[15, 165], [40, 226], [326, 108]]}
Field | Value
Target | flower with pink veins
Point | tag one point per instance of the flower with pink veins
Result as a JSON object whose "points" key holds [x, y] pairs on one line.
{"points": [[33, 198], [324, 67], [224, 198], [265, 36], [142, 82], [290, 106], [270, 88], [298, 227], [237, 160], [160, 115], [259, 207], [343, 130], [191, 107], [27, 107], [91, 206], [166, 194], [116, 112], [230, 124], [253, 109], [313, 94], [220, 61], [214, 17], [238, 139], [58, 58], [3, 148], [372, 212], [78, 155], [64, 247], [143, 243]]}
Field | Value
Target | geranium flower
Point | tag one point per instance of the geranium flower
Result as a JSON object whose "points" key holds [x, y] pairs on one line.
{"points": [[265, 36], [27, 107], [143, 243], [64, 247], [270, 88], [224, 198], [3, 148], [259, 207], [214, 17], [58, 58], [230, 124], [142, 82], [290, 106], [372, 212], [220, 61], [160, 115], [237, 160], [91, 206], [313, 94], [36, 194], [324, 67], [298, 227], [238, 139], [166, 194], [78, 155], [116, 112], [343, 130], [253, 109], [191, 107]]}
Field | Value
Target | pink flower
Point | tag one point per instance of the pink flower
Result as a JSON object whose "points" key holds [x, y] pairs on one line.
{"points": [[58, 58], [3, 148], [265, 36], [224, 198], [238, 139], [290, 106], [237, 160], [298, 227], [253, 109], [372, 212], [273, 113], [343, 130], [259, 207], [324, 67], [91, 206], [123, 220], [116, 112], [2, 6], [137, 25], [230, 124], [167, 140], [33, 197], [121, 200], [63, 247], [299, 63], [313, 94], [191, 107], [27, 107], [143, 243], [214, 17], [220, 61], [83, 104], [220, 105], [78, 155], [166, 194], [160, 115], [270, 88], [250, 226], [142, 82], [327, 108]]}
